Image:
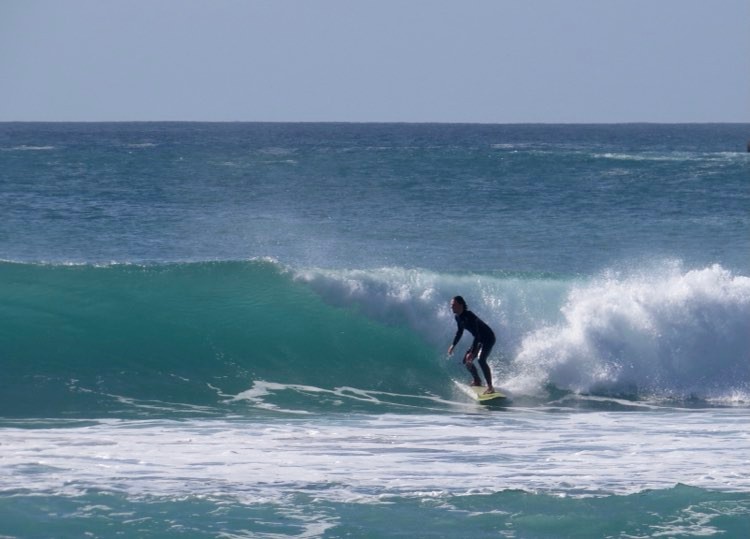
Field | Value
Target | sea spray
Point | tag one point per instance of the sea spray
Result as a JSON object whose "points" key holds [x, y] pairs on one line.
{"points": [[419, 299]]}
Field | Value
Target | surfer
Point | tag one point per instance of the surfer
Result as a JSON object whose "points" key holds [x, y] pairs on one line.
{"points": [[484, 340]]}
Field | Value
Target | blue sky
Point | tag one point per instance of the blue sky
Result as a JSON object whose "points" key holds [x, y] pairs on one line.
{"points": [[488, 61]]}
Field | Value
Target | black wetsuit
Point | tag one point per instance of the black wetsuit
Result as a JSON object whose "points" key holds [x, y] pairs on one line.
{"points": [[484, 340]]}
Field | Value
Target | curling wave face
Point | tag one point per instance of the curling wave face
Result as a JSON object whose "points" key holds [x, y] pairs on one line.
{"points": [[95, 339]]}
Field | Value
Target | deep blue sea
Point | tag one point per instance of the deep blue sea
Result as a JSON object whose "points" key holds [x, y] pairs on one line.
{"points": [[240, 330]]}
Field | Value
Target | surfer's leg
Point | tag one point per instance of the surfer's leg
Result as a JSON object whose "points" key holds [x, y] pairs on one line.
{"points": [[473, 370], [486, 371], [484, 353]]}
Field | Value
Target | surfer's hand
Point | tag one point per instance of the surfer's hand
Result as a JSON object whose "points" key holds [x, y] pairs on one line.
{"points": [[450, 350]]}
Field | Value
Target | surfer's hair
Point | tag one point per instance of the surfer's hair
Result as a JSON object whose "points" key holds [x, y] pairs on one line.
{"points": [[461, 301]]}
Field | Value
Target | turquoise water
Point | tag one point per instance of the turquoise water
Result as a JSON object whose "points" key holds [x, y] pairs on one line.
{"points": [[92, 341], [239, 330]]}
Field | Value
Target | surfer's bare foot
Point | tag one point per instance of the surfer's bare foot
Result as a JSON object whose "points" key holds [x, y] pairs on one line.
{"points": [[489, 390]]}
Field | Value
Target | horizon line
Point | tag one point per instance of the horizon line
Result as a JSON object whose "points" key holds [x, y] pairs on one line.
{"points": [[358, 122]]}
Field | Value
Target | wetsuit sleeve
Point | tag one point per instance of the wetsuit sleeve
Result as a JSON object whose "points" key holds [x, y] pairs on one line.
{"points": [[459, 331]]}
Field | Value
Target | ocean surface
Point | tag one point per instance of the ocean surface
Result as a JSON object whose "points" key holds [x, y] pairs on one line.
{"points": [[240, 330]]}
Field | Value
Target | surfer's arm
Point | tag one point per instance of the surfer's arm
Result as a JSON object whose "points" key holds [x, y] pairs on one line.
{"points": [[457, 337]]}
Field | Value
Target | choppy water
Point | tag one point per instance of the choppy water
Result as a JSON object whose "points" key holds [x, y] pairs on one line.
{"points": [[240, 330]]}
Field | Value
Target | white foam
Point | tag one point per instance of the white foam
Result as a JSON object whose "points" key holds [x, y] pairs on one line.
{"points": [[672, 333], [28, 148], [136, 145], [261, 394], [363, 458]]}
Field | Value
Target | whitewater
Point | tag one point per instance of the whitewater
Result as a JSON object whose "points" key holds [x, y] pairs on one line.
{"points": [[240, 330]]}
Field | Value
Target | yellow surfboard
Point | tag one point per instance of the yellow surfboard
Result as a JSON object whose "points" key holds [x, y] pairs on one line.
{"points": [[477, 392]]}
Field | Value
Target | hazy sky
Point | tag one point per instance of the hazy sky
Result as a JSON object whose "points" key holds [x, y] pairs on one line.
{"points": [[490, 61]]}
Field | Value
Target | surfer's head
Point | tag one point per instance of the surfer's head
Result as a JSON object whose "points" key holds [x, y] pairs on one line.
{"points": [[458, 305]]}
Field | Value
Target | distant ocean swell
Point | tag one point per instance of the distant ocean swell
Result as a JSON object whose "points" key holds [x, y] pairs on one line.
{"points": [[95, 339]]}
